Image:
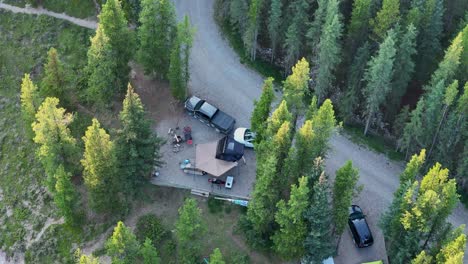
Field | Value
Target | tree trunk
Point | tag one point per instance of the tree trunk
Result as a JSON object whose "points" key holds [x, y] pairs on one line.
{"points": [[368, 123]]}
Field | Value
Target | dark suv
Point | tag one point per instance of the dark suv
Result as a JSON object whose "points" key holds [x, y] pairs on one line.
{"points": [[357, 223], [209, 115]]}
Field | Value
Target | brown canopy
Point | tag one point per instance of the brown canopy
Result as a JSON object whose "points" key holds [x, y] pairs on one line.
{"points": [[205, 160]]}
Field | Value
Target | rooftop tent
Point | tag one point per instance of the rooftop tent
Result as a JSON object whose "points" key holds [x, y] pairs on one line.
{"points": [[205, 160], [228, 149]]}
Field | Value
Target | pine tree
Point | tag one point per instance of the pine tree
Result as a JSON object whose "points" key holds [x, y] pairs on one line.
{"points": [[352, 98], [262, 109], [312, 109], [149, 253], [238, 13], [315, 29], [289, 239], [431, 29], [264, 198], [464, 56], [65, 196], [422, 258], [189, 228], [121, 39], [53, 83], [122, 246], [101, 68], [359, 25], [56, 145], [275, 21], [390, 221], [137, 146], [296, 85], [296, 30], [100, 169], [29, 103], [85, 259], [216, 257], [386, 18], [378, 76], [404, 67], [423, 213], [318, 243], [300, 159], [278, 117], [156, 35], [323, 124], [343, 190], [454, 251], [251, 33], [179, 74], [329, 55]]}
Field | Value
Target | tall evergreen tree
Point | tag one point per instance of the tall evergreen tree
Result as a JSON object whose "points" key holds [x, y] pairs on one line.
{"points": [[262, 108], [238, 14], [296, 85], [149, 253], [464, 56], [329, 55], [453, 251], [343, 190], [390, 221], [323, 124], [386, 18], [53, 83], [288, 240], [121, 39], [378, 76], [216, 257], [300, 159], [296, 30], [56, 145], [431, 30], [122, 246], [359, 24], [275, 20], [315, 28], [29, 103], [278, 117], [318, 243], [251, 33], [264, 198], [100, 169], [179, 74], [137, 146], [352, 98], [404, 67], [189, 228], [65, 196], [101, 69], [156, 35]]}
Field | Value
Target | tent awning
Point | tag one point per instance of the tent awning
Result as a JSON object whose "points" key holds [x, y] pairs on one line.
{"points": [[205, 160]]}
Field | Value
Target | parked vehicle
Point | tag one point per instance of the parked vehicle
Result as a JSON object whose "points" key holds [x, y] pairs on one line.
{"points": [[362, 235], [209, 114], [244, 136]]}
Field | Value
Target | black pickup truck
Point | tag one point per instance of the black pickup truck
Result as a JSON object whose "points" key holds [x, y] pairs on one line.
{"points": [[209, 114]]}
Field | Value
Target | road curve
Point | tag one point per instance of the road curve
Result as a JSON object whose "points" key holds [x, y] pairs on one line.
{"points": [[218, 75]]}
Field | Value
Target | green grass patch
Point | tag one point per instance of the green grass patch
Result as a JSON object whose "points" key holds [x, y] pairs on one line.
{"points": [[75, 8], [376, 143], [235, 40], [19, 3]]}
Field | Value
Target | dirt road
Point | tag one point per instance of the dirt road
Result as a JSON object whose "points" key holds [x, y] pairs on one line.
{"points": [[217, 74]]}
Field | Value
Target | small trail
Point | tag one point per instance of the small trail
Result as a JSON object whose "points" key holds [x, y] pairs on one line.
{"points": [[47, 224], [41, 11]]}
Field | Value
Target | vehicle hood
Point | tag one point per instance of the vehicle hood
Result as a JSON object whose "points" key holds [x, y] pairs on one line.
{"points": [[239, 134], [223, 120]]}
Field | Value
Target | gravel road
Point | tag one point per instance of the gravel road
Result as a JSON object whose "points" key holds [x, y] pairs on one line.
{"points": [[217, 74]]}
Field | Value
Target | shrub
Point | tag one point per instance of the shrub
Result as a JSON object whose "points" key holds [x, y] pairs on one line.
{"points": [[149, 226], [214, 206]]}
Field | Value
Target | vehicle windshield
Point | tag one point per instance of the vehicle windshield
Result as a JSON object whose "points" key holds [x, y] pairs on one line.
{"points": [[356, 215]]}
